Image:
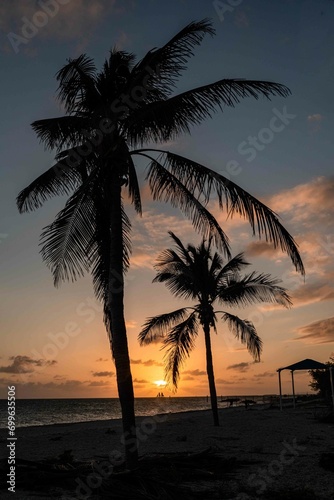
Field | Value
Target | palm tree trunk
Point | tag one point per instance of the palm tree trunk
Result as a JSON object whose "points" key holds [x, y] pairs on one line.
{"points": [[119, 343], [211, 377]]}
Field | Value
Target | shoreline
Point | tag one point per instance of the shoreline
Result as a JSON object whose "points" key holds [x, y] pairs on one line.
{"points": [[99, 420], [229, 408], [30, 416]]}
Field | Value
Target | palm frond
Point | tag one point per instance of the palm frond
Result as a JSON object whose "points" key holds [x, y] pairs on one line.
{"points": [[188, 272], [216, 264], [169, 261], [100, 257], [230, 269], [57, 180], [252, 288], [180, 257], [64, 131], [166, 187], [180, 283], [77, 83], [167, 63], [204, 182], [234, 265], [165, 120], [177, 269], [179, 343], [245, 332], [66, 241], [155, 328], [119, 65]]}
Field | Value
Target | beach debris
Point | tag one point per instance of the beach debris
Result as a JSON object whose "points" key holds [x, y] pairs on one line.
{"points": [[231, 401], [248, 402]]}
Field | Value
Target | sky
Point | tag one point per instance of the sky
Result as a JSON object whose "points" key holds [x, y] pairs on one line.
{"points": [[53, 341]]}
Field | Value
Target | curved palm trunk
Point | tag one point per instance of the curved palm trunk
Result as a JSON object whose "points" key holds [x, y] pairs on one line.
{"points": [[211, 377], [119, 344]]}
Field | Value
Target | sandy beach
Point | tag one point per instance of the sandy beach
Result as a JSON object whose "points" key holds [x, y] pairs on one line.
{"points": [[281, 449]]}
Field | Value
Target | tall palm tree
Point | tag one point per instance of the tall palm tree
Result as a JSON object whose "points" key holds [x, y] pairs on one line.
{"points": [[197, 274], [110, 115]]}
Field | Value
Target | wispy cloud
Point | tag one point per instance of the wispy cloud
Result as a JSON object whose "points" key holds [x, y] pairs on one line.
{"points": [[317, 117], [264, 375], [309, 293], [195, 373], [100, 383], [122, 41], [67, 384], [103, 374], [315, 121], [309, 209], [307, 204], [319, 332], [131, 324], [71, 21], [150, 236], [140, 381], [240, 367], [261, 248], [241, 19], [224, 381], [55, 389], [25, 364], [149, 362]]}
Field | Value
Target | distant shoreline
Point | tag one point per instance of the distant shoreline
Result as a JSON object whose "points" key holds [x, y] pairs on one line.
{"points": [[40, 413]]}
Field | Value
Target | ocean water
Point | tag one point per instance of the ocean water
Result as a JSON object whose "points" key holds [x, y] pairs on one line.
{"points": [[59, 411]]}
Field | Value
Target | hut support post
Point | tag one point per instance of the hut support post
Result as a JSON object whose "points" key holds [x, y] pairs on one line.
{"points": [[280, 390], [293, 389], [332, 387]]}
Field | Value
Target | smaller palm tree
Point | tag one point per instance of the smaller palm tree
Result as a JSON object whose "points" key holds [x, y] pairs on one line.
{"points": [[194, 273]]}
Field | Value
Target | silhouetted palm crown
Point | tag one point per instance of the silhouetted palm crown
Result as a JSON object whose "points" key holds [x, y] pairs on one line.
{"points": [[109, 114], [196, 274]]}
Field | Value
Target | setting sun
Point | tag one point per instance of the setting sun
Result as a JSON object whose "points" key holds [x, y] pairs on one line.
{"points": [[160, 383]]}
